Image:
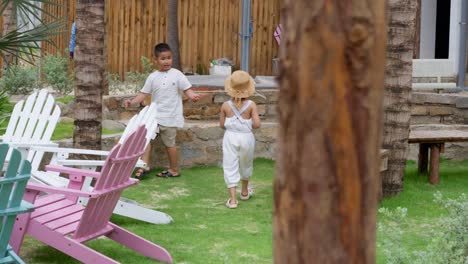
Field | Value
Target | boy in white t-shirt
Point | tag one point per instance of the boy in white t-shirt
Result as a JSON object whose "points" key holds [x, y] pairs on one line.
{"points": [[165, 86]]}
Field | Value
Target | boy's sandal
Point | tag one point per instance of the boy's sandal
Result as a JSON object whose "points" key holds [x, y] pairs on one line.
{"points": [[140, 172], [231, 206], [246, 197], [166, 174]]}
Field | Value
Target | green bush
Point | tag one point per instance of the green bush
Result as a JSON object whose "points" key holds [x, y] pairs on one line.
{"points": [[55, 69], [449, 242], [138, 78], [134, 80], [19, 80], [5, 108], [147, 65]]}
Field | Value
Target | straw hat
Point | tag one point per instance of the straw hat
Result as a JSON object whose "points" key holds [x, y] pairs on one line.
{"points": [[239, 85]]}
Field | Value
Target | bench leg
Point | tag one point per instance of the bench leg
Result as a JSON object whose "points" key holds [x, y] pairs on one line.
{"points": [[434, 165], [423, 158]]}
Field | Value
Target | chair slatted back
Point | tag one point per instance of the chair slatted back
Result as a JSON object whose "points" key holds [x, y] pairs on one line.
{"points": [[33, 121], [12, 187], [146, 117], [277, 33], [116, 171]]}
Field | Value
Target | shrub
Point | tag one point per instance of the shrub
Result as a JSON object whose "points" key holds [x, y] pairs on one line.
{"points": [[115, 84], [19, 80], [449, 242], [55, 69], [137, 78], [134, 80], [4, 107]]}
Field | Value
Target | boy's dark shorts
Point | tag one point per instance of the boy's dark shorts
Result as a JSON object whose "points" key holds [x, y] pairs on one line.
{"points": [[168, 135]]}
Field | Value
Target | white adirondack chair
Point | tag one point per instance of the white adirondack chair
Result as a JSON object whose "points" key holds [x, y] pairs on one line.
{"points": [[32, 123], [125, 207]]}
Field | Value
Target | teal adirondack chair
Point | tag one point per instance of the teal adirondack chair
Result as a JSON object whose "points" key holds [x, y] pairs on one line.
{"points": [[12, 187]]}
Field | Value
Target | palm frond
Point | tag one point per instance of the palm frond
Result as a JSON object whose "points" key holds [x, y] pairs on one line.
{"points": [[18, 42], [30, 9]]}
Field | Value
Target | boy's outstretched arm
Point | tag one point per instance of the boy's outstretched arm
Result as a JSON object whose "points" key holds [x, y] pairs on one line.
{"points": [[138, 99], [193, 96]]}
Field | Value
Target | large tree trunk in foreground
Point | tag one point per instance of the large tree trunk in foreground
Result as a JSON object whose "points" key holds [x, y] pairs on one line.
{"points": [[9, 24], [90, 65], [397, 95], [173, 33], [330, 110]]}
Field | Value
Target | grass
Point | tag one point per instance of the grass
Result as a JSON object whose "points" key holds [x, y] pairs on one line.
{"points": [[65, 99], [65, 130], [62, 130], [205, 231], [417, 197]]}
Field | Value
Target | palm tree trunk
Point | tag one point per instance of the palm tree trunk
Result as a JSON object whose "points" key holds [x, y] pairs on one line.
{"points": [[397, 96], [173, 33], [90, 65], [9, 24], [330, 113]]}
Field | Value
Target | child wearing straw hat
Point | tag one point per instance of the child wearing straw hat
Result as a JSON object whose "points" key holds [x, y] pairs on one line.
{"points": [[238, 117]]}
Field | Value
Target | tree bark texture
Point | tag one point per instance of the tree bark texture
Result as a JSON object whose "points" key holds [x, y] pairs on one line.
{"points": [[330, 115], [173, 33], [90, 64], [9, 24], [397, 95]]}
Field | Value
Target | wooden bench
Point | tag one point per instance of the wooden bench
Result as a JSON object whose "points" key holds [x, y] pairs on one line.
{"points": [[433, 140]]}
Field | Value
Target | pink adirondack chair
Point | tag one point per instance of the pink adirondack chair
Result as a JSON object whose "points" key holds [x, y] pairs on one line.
{"points": [[277, 34], [65, 225]]}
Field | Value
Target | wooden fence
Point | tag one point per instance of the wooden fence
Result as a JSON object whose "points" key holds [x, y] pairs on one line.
{"points": [[208, 29]]}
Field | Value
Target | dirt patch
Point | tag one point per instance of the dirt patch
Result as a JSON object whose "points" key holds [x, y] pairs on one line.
{"points": [[170, 194]]}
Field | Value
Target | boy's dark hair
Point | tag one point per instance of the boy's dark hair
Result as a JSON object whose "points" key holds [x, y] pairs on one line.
{"points": [[161, 47]]}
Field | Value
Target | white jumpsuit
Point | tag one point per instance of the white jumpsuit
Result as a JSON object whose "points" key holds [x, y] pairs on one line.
{"points": [[238, 146]]}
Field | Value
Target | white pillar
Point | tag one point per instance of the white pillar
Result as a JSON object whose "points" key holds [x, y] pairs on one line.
{"points": [[428, 29]]}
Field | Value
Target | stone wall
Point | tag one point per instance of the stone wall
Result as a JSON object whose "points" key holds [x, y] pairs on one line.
{"points": [[205, 109], [434, 108], [427, 108], [440, 111], [200, 143]]}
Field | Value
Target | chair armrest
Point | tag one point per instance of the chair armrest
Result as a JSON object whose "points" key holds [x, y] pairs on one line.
{"points": [[50, 189], [68, 151], [81, 163], [78, 193], [92, 163], [33, 145], [73, 172]]}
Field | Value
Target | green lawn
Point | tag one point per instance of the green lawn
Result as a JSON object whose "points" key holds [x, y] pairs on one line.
{"points": [[62, 130], [205, 231], [65, 130]]}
